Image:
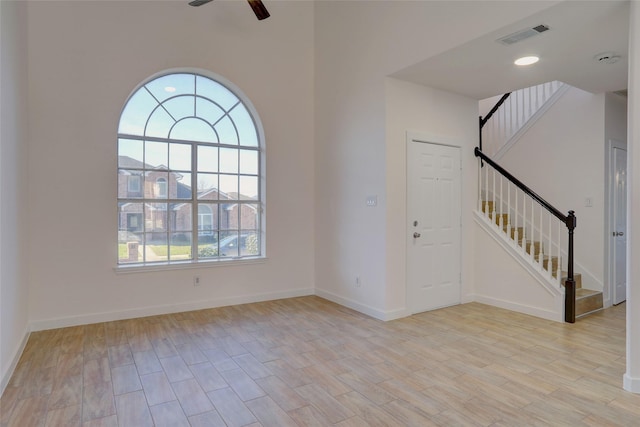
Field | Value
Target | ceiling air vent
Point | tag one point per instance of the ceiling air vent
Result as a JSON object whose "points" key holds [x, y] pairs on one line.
{"points": [[518, 36]]}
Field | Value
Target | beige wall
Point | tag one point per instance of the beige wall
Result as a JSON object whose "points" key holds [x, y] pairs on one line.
{"points": [[567, 143], [14, 289], [357, 45], [85, 58]]}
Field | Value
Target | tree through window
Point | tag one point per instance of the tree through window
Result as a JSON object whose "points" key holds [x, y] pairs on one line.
{"points": [[189, 181]]}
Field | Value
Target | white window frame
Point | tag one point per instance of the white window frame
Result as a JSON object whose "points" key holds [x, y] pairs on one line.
{"points": [[197, 261]]}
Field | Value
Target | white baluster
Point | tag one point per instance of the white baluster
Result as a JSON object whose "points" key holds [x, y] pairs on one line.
{"points": [[558, 251], [493, 193], [524, 220], [486, 190], [533, 229], [516, 234], [509, 208], [540, 238], [501, 218], [550, 218]]}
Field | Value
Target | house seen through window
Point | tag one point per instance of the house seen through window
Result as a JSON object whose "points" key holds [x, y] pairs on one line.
{"points": [[189, 181]]}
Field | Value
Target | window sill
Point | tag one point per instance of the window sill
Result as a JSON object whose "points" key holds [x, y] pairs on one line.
{"points": [[187, 265]]}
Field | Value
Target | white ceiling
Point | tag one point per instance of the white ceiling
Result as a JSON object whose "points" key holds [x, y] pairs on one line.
{"points": [[579, 30]]}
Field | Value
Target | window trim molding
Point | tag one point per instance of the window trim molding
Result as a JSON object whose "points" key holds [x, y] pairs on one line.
{"points": [[260, 134]]}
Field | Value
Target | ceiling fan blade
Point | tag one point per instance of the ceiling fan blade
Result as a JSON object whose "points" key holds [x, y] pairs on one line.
{"points": [[259, 9], [198, 2]]}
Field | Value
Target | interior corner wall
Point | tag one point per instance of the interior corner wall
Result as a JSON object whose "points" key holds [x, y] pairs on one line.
{"points": [[443, 118], [561, 158], [85, 58], [357, 45], [14, 326], [615, 129], [615, 117]]}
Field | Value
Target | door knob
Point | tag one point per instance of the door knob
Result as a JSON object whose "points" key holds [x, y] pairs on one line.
{"points": [[416, 235], [619, 233]]}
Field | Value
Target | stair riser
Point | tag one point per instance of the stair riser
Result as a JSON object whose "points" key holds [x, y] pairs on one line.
{"points": [[589, 304]]}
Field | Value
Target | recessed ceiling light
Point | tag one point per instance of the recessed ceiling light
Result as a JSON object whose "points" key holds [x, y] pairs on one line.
{"points": [[526, 60], [170, 89]]}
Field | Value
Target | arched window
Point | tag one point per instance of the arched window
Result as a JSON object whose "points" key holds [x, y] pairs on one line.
{"points": [[194, 142]]}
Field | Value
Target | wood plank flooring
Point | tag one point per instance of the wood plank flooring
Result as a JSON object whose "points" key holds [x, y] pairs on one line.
{"points": [[309, 362]]}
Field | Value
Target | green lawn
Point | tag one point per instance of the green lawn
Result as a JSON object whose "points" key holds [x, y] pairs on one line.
{"points": [[161, 251]]}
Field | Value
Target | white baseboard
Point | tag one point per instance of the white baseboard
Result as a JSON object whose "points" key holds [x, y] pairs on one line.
{"points": [[363, 308], [631, 384], [6, 375], [63, 322], [555, 316]]}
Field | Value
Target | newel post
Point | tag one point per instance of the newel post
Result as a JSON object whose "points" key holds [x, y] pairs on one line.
{"points": [[570, 284]]}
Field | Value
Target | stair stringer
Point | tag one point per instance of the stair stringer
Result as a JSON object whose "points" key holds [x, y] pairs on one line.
{"points": [[534, 293], [513, 139]]}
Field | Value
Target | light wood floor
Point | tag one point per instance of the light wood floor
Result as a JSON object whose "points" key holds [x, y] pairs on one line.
{"points": [[309, 362]]}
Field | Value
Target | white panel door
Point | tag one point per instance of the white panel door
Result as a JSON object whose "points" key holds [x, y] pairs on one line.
{"points": [[619, 234], [433, 226]]}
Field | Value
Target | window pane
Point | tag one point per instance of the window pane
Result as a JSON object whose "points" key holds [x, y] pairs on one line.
{"points": [[245, 125], [208, 111], [156, 185], [249, 216], [248, 188], [180, 247], [229, 215], [229, 160], [159, 124], [249, 162], [250, 244], [180, 157], [130, 247], [156, 218], [172, 85], [229, 187], [216, 92], [130, 184], [207, 223], [135, 113], [156, 154], [208, 249], [130, 153], [207, 159], [156, 248], [207, 186], [180, 107], [193, 129], [229, 242], [182, 188], [130, 220], [226, 132], [181, 217]]}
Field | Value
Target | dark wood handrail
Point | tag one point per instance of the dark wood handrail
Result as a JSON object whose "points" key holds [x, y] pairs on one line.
{"points": [[569, 220], [562, 217], [485, 119]]}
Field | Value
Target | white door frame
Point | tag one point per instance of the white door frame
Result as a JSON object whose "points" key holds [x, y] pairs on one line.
{"points": [[434, 140], [608, 218]]}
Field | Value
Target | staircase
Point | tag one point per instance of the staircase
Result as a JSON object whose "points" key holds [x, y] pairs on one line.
{"points": [[516, 113], [587, 301]]}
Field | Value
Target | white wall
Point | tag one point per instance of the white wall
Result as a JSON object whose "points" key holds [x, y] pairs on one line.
{"points": [[442, 118], [13, 137], [503, 282], [84, 60], [561, 159], [615, 128], [358, 44]]}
